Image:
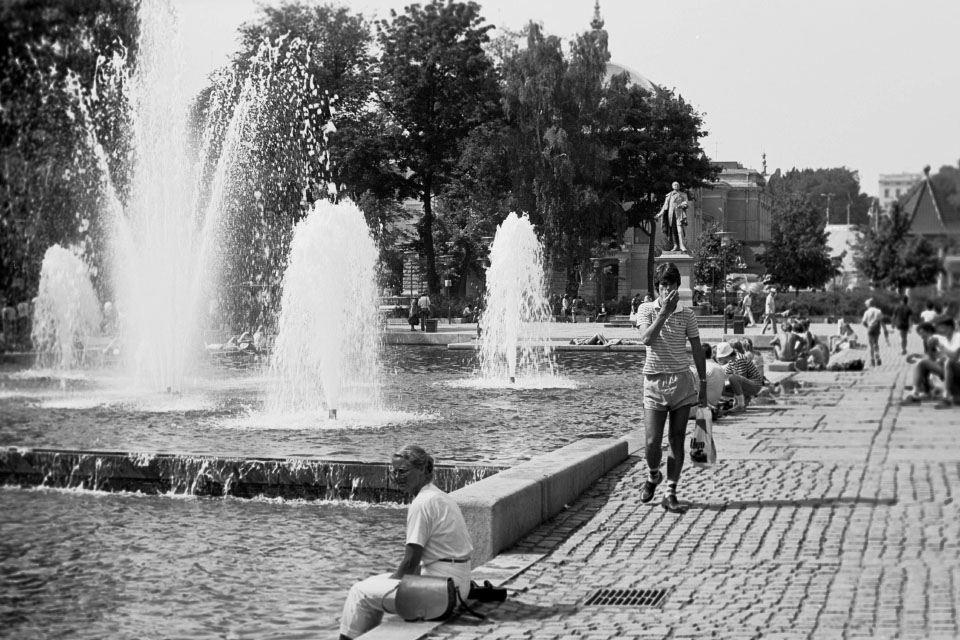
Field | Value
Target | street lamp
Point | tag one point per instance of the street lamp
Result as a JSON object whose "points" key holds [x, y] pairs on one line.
{"points": [[725, 238], [827, 196]]}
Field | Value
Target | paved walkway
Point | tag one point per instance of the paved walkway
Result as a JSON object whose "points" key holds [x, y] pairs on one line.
{"points": [[831, 515]]}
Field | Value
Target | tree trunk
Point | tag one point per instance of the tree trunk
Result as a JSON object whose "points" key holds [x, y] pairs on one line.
{"points": [[426, 238]]}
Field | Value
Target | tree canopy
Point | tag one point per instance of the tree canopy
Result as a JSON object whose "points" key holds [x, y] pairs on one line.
{"points": [[836, 190], [891, 258], [437, 85], [798, 256]]}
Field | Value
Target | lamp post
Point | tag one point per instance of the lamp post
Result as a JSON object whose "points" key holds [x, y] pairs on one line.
{"points": [[725, 237], [828, 196]]}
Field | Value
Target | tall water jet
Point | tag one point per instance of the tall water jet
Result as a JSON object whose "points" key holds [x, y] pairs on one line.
{"points": [[515, 319], [326, 354], [66, 310]]}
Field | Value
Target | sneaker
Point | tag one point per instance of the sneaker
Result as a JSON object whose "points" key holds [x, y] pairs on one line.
{"points": [[671, 504], [911, 399], [943, 404], [649, 488]]}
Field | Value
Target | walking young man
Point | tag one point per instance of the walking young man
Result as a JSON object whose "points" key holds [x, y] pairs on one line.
{"points": [[901, 320], [873, 321], [670, 388], [770, 312]]}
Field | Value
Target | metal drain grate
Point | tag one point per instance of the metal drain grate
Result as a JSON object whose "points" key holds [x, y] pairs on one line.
{"points": [[628, 597]]}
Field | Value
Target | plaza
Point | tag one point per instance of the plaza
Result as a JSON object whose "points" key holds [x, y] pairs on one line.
{"points": [[830, 515]]}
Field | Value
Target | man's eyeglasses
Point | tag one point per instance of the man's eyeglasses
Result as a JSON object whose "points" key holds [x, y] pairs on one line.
{"points": [[399, 472]]}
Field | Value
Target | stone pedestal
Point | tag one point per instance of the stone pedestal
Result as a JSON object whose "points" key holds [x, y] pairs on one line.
{"points": [[685, 264]]}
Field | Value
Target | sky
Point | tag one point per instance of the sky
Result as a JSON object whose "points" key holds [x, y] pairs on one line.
{"points": [[873, 85]]}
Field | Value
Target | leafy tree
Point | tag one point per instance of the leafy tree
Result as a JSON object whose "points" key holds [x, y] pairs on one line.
{"points": [[437, 84], [798, 256], [656, 142], [947, 183], [842, 185], [297, 94], [891, 258], [56, 102], [713, 260]]}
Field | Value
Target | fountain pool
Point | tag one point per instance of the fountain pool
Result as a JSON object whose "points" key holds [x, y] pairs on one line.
{"points": [[428, 390], [89, 564]]}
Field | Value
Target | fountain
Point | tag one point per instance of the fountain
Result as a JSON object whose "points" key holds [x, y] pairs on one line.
{"points": [[66, 310], [327, 345], [515, 320]]}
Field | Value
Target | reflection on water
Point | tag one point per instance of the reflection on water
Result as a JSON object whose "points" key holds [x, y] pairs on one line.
{"points": [[430, 396], [92, 565]]}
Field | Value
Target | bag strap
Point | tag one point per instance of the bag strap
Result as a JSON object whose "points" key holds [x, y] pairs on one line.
{"points": [[466, 607]]}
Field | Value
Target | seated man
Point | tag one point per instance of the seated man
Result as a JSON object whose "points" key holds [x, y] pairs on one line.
{"points": [[926, 365], [946, 328], [788, 346], [438, 544], [602, 313], [744, 380]]}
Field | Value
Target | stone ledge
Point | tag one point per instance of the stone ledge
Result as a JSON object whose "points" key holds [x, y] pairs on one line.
{"points": [[781, 366], [501, 509]]}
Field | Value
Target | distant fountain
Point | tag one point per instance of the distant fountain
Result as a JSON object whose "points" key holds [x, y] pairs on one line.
{"points": [[326, 354], [66, 311], [516, 313]]}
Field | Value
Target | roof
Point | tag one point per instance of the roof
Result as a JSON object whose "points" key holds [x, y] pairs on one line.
{"points": [[929, 212], [615, 68]]}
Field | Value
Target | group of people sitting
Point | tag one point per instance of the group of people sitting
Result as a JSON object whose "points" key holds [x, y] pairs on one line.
{"points": [[936, 371], [735, 376], [243, 342], [796, 343]]}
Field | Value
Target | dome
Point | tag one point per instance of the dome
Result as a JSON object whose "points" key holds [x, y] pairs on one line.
{"points": [[615, 68]]}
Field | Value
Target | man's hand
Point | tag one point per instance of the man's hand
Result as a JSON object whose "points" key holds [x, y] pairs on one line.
{"points": [[669, 302]]}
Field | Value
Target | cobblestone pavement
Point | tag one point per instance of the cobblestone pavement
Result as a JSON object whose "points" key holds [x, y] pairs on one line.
{"points": [[831, 515]]}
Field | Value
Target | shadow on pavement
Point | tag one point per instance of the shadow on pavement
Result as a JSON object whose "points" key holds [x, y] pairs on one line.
{"points": [[808, 502]]}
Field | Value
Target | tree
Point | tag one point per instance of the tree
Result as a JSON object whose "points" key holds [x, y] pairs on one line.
{"points": [[297, 94], [836, 190], [437, 84], [798, 256], [713, 260], [891, 258], [56, 102], [656, 142]]}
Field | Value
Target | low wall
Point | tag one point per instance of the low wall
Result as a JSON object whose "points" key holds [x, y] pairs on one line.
{"points": [[503, 508], [293, 478]]}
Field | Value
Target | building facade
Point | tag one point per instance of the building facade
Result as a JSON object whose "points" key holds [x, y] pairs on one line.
{"points": [[893, 186]]}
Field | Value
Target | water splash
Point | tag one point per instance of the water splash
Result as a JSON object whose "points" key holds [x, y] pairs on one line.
{"points": [[66, 311], [514, 340], [326, 355]]}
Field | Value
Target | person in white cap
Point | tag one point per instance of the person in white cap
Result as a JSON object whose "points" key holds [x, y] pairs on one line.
{"points": [[743, 378]]}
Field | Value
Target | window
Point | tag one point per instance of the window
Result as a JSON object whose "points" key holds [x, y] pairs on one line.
{"points": [[898, 192], [886, 193]]}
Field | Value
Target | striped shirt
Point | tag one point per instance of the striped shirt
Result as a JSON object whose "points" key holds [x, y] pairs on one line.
{"points": [[667, 353], [743, 367]]}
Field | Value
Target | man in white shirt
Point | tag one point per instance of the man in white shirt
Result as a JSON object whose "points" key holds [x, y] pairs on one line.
{"points": [[438, 544], [946, 328], [424, 305]]}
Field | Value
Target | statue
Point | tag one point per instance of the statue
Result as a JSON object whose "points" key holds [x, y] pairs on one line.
{"points": [[673, 219]]}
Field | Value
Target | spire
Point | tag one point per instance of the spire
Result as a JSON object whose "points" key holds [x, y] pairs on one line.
{"points": [[764, 163], [597, 22]]}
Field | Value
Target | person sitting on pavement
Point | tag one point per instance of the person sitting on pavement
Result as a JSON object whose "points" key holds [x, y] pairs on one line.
{"points": [[755, 356], [744, 381], [789, 346], [602, 313], [925, 366], [846, 337], [437, 544], [946, 329]]}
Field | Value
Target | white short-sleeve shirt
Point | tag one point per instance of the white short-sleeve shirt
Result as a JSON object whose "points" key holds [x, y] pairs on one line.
{"points": [[435, 523]]}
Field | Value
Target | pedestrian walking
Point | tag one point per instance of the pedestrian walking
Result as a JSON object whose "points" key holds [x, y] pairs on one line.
{"points": [[670, 388], [901, 320], [770, 312]]}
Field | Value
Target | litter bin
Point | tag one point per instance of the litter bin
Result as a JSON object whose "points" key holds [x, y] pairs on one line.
{"points": [[430, 325], [738, 324]]}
